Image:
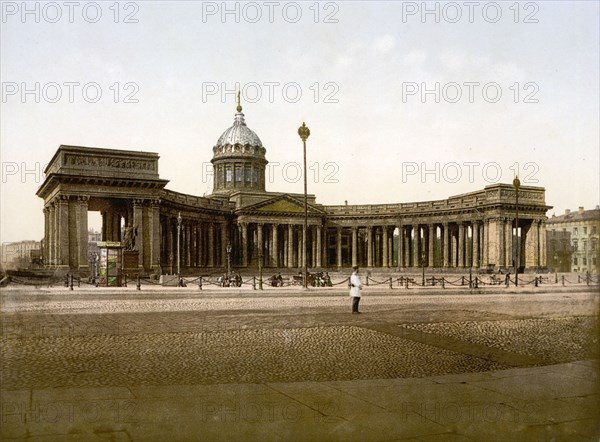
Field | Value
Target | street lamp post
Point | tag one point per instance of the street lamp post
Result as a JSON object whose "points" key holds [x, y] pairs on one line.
{"points": [[304, 133], [178, 245], [423, 268], [516, 185], [260, 269], [228, 249]]}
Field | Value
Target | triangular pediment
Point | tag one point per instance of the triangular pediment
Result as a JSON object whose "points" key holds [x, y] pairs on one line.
{"points": [[281, 204]]}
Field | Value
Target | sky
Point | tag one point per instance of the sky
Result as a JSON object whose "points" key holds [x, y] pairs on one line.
{"points": [[405, 101]]}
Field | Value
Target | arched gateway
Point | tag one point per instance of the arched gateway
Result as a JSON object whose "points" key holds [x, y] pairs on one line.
{"points": [[476, 229]]}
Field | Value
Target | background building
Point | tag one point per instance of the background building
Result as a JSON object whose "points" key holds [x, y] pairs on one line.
{"points": [[573, 238], [21, 255]]}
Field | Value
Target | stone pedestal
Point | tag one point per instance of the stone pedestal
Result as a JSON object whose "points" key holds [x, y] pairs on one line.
{"points": [[131, 259]]}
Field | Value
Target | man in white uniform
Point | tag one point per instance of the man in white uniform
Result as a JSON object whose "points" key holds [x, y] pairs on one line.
{"points": [[355, 286]]}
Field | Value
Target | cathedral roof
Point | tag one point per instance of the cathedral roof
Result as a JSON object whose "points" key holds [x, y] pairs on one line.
{"points": [[239, 133]]}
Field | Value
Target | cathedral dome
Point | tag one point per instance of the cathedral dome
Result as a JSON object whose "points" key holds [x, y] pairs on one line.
{"points": [[240, 134], [239, 158]]}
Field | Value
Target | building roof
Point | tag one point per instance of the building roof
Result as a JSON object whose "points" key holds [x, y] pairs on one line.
{"points": [[580, 215]]}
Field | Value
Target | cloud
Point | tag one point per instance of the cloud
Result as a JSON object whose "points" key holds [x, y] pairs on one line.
{"points": [[385, 43]]}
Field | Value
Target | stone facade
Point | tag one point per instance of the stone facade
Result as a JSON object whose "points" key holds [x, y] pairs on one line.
{"points": [[476, 229], [581, 231]]}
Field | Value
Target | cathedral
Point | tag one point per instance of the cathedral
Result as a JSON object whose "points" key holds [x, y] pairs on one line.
{"points": [[242, 225]]}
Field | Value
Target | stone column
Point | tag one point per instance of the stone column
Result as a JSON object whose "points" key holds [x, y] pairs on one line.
{"points": [[354, 246], [416, 246], [211, 245], [138, 223], [501, 226], [508, 242], [46, 235], [325, 246], [290, 246], [400, 246], [259, 241], [200, 233], [532, 245], [407, 241], [300, 247], [170, 253], [476, 244], [274, 246], [62, 240], [52, 234], [224, 242], [338, 246], [542, 238], [244, 227], [485, 251], [319, 247], [369, 246], [461, 244], [431, 251], [82, 231], [385, 251]]}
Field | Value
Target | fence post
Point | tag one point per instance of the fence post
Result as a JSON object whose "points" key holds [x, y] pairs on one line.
{"points": [[477, 282], [563, 280], [367, 281], [462, 281], [138, 286], [70, 282], [406, 280], [536, 281], [200, 282], [254, 283], [578, 279], [555, 278], [443, 282], [390, 282]]}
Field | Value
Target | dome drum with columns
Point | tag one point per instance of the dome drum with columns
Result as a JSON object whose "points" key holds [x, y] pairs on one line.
{"points": [[239, 158]]}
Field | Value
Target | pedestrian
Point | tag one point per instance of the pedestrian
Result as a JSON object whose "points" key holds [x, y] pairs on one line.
{"points": [[355, 286]]}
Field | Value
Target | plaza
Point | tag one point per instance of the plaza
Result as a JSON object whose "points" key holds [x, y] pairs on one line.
{"points": [[224, 364]]}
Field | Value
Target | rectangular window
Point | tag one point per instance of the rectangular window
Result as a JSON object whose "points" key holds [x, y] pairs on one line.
{"points": [[584, 261], [255, 173], [585, 230], [574, 231], [248, 176], [238, 175], [228, 175], [593, 230], [575, 261]]}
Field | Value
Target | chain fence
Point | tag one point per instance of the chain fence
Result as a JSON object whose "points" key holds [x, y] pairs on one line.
{"points": [[319, 280]]}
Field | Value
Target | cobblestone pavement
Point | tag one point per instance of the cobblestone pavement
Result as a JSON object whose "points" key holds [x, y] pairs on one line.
{"points": [[117, 347], [166, 338]]}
